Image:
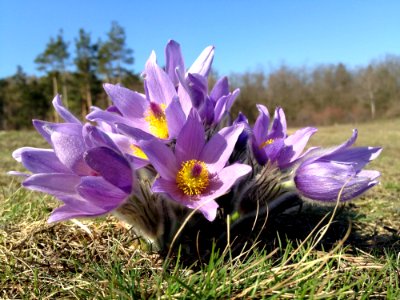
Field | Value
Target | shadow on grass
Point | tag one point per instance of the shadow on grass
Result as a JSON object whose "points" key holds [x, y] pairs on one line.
{"points": [[292, 226]]}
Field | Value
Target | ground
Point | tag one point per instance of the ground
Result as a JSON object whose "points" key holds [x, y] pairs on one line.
{"points": [[353, 253]]}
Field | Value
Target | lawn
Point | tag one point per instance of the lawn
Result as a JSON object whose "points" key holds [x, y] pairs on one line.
{"points": [[316, 252]]}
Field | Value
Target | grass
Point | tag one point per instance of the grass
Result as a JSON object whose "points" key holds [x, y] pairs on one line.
{"points": [[313, 253]]}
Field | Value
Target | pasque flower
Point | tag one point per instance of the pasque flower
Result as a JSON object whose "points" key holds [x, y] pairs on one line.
{"points": [[273, 144], [195, 174], [328, 174], [84, 169], [159, 112], [176, 129]]}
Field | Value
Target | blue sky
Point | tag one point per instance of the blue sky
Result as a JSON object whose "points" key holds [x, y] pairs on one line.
{"points": [[248, 35]]}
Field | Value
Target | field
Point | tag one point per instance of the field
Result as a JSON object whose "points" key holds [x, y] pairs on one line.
{"points": [[351, 253]]}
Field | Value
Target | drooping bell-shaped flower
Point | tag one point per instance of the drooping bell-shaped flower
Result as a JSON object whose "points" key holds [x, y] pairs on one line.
{"points": [[327, 175]]}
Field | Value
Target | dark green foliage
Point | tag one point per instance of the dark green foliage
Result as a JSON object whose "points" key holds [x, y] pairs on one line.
{"points": [[23, 97], [114, 55]]}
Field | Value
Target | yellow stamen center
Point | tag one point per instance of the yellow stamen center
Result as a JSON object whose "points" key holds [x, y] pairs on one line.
{"points": [[136, 151], [155, 116], [266, 143], [192, 178]]}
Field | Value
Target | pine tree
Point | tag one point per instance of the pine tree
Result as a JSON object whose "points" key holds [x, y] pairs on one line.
{"points": [[53, 61], [86, 64]]}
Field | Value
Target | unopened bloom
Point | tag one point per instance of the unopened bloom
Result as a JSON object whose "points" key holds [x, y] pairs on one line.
{"points": [[192, 86], [273, 144], [195, 174], [175, 65], [338, 172]]}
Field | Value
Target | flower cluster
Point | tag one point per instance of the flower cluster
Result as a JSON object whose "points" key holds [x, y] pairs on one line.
{"points": [[153, 158]]}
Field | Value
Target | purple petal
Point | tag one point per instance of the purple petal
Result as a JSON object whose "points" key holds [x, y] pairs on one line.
{"points": [[197, 88], [175, 118], [63, 112], [53, 183], [131, 104], [94, 137], [41, 127], [294, 146], [184, 98], [135, 133], [345, 145], [219, 148], [101, 193], [206, 111], [324, 181], [243, 137], [161, 157], [114, 109], [241, 118], [279, 127], [174, 60], [273, 150], [99, 115], [160, 88], [208, 207], [357, 156], [69, 148], [232, 99], [191, 139], [47, 128], [137, 162], [224, 180], [202, 64], [221, 88], [112, 166], [122, 143], [260, 129], [39, 160], [66, 212], [258, 152], [220, 108]]}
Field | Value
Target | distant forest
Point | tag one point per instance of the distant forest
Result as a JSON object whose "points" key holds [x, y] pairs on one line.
{"points": [[319, 95]]}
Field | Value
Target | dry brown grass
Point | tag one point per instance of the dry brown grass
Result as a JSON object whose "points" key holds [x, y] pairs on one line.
{"points": [[357, 253]]}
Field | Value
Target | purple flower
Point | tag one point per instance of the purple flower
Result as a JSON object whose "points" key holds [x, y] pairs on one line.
{"points": [[175, 63], [326, 175], [213, 107], [195, 174], [192, 86], [244, 136], [84, 168], [159, 112], [273, 144]]}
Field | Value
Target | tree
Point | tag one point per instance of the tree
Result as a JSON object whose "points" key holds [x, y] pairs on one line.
{"points": [[22, 99], [53, 61], [114, 55], [86, 64]]}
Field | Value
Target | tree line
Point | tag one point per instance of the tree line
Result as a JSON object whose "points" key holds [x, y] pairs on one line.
{"points": [[319, 95], [324, 94], [77, 76]]}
